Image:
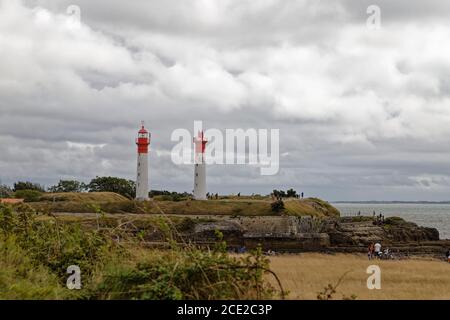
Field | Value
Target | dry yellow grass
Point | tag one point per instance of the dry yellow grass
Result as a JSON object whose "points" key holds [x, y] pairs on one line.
{"points": [[310, 206], [83, 197], [114, 203], [307, 274]]}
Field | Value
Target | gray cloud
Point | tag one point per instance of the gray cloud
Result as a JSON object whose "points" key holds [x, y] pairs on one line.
{"points": [[362, 114]]}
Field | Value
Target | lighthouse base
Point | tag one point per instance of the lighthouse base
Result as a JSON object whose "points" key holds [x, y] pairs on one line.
{"points": [[200, 182], [142, 177], [144, 199]]}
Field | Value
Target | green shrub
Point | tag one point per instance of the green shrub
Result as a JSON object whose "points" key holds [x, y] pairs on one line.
{"points": [[277, 206], [28, 195], [52, 244], [188, 273], [21, 278], [394, 221]]}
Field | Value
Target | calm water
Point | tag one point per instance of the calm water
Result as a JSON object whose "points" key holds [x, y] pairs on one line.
{"points": [[427, 215]]}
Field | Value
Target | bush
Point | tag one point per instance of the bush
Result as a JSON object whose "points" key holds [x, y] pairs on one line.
{"points": [[52, 244], [28, 195], [169, 196], [153, 193], [188, 273], [277, 206], [394, 221], [21, 278]]}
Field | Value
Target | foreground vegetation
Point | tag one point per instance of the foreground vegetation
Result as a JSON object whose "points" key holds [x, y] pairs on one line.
{"points": [[36, 252], [36, 249]]}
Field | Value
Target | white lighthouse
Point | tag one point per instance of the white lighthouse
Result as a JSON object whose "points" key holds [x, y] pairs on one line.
{"points": [[142, 142], [200, 167]]}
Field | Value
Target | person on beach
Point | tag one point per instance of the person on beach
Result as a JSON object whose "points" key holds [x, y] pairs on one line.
{"points": [[448, 255], [377, 248], [370, 251], [387, 254]]}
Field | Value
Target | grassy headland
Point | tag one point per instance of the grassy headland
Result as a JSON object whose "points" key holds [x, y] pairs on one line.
{"points": [[109, 202]]}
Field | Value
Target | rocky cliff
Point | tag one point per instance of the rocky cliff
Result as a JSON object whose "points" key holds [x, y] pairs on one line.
{"points": [[293, 234], [361, 231]]}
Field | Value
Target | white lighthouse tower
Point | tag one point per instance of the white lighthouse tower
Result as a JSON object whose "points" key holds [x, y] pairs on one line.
{"points": [[142, 142], [200, 167]]}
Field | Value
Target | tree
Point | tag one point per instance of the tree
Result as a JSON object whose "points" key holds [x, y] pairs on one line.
{"points": [[125, 187], [68, 186], [291, 193], [26, 185], [279, 193], [5, 191]]}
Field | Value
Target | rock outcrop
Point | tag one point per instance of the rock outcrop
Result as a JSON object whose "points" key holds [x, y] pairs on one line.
{"points": [[361, 231], [271, 232], [294, 234]]}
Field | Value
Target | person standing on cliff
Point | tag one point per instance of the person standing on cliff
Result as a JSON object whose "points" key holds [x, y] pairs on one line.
{"points": [[377, 247], [370, 251]]}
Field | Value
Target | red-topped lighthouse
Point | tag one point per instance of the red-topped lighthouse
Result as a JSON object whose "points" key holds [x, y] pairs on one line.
{"points": [[142, 142], [200, 167]]}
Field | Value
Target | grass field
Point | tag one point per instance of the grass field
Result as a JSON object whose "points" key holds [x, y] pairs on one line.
{"points": [[307, 274]]}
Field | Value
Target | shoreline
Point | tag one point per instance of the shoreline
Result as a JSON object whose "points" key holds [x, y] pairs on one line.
{"points": [[433, 215]]}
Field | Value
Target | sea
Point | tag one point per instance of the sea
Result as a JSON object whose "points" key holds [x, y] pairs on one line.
{"points": [[435, 215]]}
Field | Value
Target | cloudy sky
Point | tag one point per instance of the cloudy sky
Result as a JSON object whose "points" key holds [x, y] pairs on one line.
{"points": [[363, 114]]}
